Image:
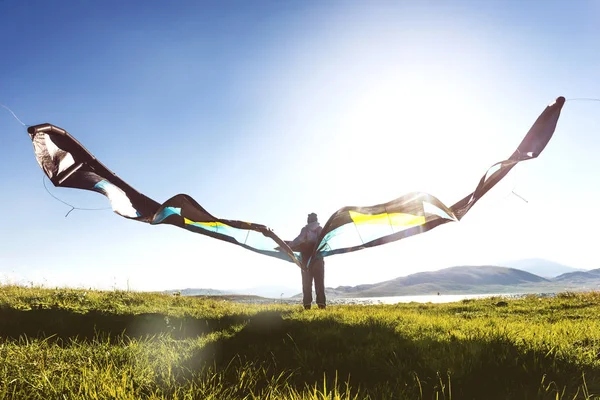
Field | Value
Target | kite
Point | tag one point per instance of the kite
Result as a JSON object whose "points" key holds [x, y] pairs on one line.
{"points": [[68, 164]]}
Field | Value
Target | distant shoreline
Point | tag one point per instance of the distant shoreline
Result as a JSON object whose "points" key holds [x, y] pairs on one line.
{"points": [[449, 298]]}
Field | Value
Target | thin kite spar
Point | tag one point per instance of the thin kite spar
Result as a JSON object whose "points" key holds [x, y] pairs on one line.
{"points": [[68, 164]]}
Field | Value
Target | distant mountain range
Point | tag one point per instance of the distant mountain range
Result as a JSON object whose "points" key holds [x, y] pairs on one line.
{"points": [[473, 280], [465, 279], [199, 292], [579, 276], [263, 291], [541, 267], [454, 280]]}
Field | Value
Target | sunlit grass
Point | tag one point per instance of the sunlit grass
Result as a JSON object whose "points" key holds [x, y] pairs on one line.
{"points": [[73, 344]]}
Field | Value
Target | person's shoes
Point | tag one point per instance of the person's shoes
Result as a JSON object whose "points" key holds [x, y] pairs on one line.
{"points": [[307, 306], [322, 306]]}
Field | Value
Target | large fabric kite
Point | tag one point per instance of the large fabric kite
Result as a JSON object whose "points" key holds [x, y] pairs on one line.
{"points": [[68, 164]]}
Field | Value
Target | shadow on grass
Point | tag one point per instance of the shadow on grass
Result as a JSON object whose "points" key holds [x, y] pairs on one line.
{"points": [[65, 324], [380, 361], [377, 359]]}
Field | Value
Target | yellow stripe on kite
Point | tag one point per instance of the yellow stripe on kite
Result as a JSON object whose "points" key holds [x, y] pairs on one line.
{"points": [[395, 219], [209, 224]]}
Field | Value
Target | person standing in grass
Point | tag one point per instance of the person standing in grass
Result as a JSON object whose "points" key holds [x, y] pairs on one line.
{"points": [[305, 242]]}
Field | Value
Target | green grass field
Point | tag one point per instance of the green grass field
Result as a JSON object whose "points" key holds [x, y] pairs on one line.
{"points": [[76, 344]]}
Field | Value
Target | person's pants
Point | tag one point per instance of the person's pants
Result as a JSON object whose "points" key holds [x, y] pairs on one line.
{"points": [[316, 272]]}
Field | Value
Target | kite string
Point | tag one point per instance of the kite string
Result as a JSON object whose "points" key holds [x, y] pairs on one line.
{"points": [[25, 125], [571, 99], [583, 99], [70, 205], [44, 177], [14, 115], [107, 208]]}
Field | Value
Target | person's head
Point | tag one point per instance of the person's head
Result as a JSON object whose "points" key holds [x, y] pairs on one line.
{"points": [[312, 217]]}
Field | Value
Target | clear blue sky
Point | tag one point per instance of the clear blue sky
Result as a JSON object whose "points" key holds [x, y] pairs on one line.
{"points": [[266, 111]]}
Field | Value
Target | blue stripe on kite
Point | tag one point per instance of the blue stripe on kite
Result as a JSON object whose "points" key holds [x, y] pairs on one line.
{"points": [[166, 212], [101, 186]]}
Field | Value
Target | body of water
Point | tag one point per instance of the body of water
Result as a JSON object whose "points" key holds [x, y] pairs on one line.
{"points": [[444, 298]]}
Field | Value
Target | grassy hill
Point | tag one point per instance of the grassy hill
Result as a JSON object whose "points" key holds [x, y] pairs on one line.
{"points": [[74, 344]]}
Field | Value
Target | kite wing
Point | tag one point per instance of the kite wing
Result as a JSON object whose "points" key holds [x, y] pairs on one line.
{"points": [[355, 228], [68, 164]]}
